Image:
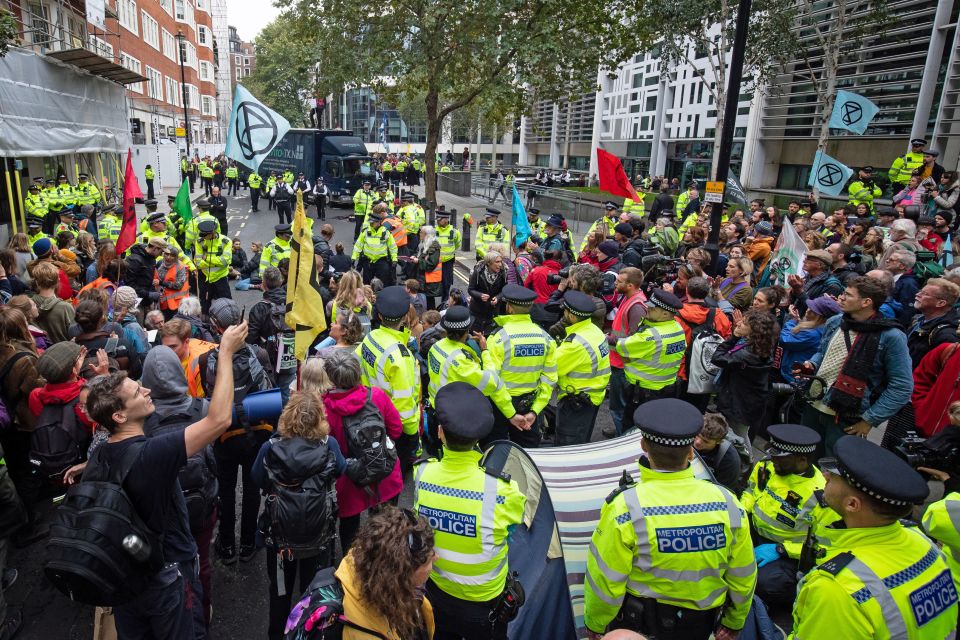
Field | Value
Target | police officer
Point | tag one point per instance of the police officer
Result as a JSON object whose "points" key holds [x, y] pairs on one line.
{"points": [[186, 172], [363, 201], [489, 232], [157, 228], [214, 253], [218, 208], [652, 355], [378, 250], [270, 184], [449, 239], [784, 499], [413, 218], [253, 181], [864, 189], [583, 370], [66, 224], [35, 229], [385, 194], [86, 192], [111, 223], [683, 200], [191, 233], [537, 226], [148, 175], [450, 359], [55, 203], [609, 220], [671, 554], [65, 194], [232, 174], [277, 249], [903, 166], [151, 208], [389, 364], [942, 523], [878, 578], [524, 355], [206, 174], [634, 207], [472, 511], [36, 205]]}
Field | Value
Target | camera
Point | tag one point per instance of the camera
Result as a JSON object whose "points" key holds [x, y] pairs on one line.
{"points": [[941, 452], [555, 278], [658, 269]]}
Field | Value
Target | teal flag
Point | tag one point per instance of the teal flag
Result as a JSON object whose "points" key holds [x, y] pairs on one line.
{"points": [[521, 226], [254, 129], [852, 112], [828, 175]]}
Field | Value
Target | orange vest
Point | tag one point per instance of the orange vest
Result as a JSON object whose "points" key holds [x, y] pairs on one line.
{"points": [[620, 328], [397, 230], [434, 276], [170, 298], [99, 283], [191, 366]]}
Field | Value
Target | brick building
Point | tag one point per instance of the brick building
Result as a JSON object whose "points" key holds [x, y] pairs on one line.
{"points": [[243, 59]]}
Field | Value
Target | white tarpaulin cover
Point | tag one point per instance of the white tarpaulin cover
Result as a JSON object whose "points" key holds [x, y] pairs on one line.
{"points": [[50, 108]]}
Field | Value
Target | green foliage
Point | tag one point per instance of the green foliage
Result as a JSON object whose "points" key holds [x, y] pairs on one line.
{"points": [[283, 78], [8, 31]]}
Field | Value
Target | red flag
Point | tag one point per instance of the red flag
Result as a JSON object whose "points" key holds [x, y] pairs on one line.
{"points": [[613, 179], [131, 191]]}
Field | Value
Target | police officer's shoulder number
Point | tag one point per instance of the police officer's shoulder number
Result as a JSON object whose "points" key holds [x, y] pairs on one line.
{"points": [[501, 475], [836, 564], [424, 460]]}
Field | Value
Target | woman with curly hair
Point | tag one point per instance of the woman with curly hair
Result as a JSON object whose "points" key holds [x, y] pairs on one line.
{"points": [[384, 574], [745, 359]]}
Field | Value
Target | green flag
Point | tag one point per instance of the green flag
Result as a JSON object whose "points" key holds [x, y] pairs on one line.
{"points": [[181, 203]]}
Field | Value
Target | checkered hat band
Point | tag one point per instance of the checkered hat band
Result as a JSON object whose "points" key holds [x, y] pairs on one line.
{"points": [[579, 314], [870, 492], [792, 448], [667, 442], [663, 305], [463, 324]]}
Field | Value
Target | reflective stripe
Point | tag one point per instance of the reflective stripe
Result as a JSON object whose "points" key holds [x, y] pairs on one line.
{"points": [[595, 370], [733, 510], [742, 572], [474, 580], [953, 510], [708, 602], [874, 587], [610, 574], [598, 592]]}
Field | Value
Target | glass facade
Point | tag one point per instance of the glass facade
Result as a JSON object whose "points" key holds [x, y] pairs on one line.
{"points": [[365, 113]]}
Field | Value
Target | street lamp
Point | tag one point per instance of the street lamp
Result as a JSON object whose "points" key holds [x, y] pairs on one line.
{"points": [[181, 46]]}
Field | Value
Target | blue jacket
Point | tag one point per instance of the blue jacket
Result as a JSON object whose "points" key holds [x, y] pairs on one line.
{"points": [[891, 379], [797, 347]]}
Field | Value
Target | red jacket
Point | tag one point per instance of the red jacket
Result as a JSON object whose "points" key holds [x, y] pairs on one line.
{"points": [[351, 498], [936, 385], [694, 313], [60, 393], [537, 280]]}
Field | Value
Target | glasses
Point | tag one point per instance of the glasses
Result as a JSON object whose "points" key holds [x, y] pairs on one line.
{"points": [[414, 541]]}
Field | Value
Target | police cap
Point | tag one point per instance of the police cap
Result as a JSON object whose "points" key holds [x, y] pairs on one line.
{"points": [[34, 187], [66, 212], [51, 181], [456, 319], [790, 439], [82, 176], [918, 142], [61, 177], [579, 304], [666, 301], [441, 213], [34, 221], [491, 212], [463, 411], [669, 422], [533, 211], [515, 294], [367, 182], [609, 205], [110, 208], [393, 303], [207, 226], [203, 203], [867, 169], [408, 197], [38, 180], [150, 204], [156, 217], [877, 472], [381, 186], [281, 228]]}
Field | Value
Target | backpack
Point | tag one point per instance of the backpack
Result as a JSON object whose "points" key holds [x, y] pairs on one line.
{"points": [[927, 266], [247, 378], [731, 439], [59, 440], [100, 551], [7, 412], [281, 348], [300, 516], [319, 613], [373, 454], [704, 340]]}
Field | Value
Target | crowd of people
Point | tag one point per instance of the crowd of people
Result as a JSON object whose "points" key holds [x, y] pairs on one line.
{"points": [[140, 361]]}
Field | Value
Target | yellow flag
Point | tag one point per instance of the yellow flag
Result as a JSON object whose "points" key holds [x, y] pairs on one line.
{"points": [[305, 310]]}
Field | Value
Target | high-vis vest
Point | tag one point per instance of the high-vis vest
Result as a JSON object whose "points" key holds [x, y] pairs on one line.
{"points": [[449, 239], [170, 298], [148, 174], [620, 320], [633, 207], [231, 172], [110, 226], [608, 226], [413, 217], [36, 205], [86, 193], [192, 233], [213, 258], [253, 180], [903, 166], [486, 235], [386, 167], [652, 356], [942, 523], [271, 183], [538, 227], [37, 236], [525, 357], [682, 201], [673, 538], [54, 201], [397, 230], [375, 244], [786, 507], [363, 202], [452, 361], [583, 362], [472, 513], [275, 251], [69, 228], [878, 582], [388, 364], [66, 195]]}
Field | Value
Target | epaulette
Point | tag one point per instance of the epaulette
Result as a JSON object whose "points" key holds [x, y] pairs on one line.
{"points": [[502, 475], [836, 564], [422, 460], [404, 351], [820, 499], [568, 338]]}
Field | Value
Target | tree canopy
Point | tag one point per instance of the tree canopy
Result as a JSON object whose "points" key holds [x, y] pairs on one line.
{"points": [[283, 78]]}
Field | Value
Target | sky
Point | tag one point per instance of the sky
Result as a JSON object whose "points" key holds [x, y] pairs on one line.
{"points": [[250, 16]]}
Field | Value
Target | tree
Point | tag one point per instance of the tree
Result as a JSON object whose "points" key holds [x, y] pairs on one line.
{"points": [[699, 33], [452, 54], [8, 31], [284, 76]]}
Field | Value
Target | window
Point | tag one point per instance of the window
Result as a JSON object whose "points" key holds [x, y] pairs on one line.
{"points": [[101, 47], [246, 72], [173, 92], [189, 54], [203, 36], [133, 64], [169, 45], [154, 84], [127, 12], [151, 32], [167, 5], [236, 60], [183, 11], [207, 103], [206, 71], [202, 5], [246, 62], [193, 97], [41, 24]]}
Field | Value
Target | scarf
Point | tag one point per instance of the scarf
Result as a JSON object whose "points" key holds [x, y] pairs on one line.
{"points": [[848, 390], [488, 275]]}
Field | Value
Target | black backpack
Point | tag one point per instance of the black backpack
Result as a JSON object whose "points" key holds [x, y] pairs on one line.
{"points": [[373, 454], [299, 515], [59, 440], [283, 338], [100, 551], [319, 613]]}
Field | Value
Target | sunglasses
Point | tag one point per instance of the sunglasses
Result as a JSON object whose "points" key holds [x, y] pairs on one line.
{"points": [[414, 542]]}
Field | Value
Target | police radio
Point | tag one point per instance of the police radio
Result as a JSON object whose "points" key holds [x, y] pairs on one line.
{"points": [[512, 598]]}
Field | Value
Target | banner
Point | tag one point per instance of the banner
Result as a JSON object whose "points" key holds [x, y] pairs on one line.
{"points": [[788, 255], [828, 175], [181, 204], [305, 306], [735, 192], [852, 112], [613, 179], [254, 129], [131, 191], [383, 133], [521, 225]]}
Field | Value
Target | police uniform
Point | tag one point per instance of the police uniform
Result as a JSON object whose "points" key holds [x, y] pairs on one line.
{"points": [[634, 207], [672, 553], [607, 223], [902, 168], [449, 239], [413, 218], [86, 192], [363, 201], [232, 173], [212, 258], [525, 357], [277, 249], [652, 356], [388, 363], [537, 226], [191, 233], [942, 523], [164, 235], [864, 190], [887, 581], [489, 233], [583, 370], [786, 510], [378, 251], [682, 201], [253, 181], [472, 511]]}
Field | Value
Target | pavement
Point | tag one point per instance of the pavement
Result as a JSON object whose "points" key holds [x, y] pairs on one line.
{"points": [[239, 592]]}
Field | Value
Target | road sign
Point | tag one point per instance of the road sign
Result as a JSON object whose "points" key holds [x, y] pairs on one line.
{"points": [[181, 132], [714, 192]]}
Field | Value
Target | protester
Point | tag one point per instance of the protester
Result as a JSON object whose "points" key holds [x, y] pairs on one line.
{"points": [[486, 283], [55, 315], [717, 452]]}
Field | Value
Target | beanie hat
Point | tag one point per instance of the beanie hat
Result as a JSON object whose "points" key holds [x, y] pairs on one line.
{"points": [[57, 362], [125, 297], [763, 228], [609, 248], [42, 247]]}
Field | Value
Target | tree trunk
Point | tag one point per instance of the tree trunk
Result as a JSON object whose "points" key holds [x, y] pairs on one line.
{"points": [[434, 124], [717, 135], [831, 60]]}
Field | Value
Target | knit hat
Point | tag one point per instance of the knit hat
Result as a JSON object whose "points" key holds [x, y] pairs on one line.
{"points": [[763, 228], [125, 297], [946, 214], [225, 312], [57, 362], [42, 247], [609, 248], [624, 229]]}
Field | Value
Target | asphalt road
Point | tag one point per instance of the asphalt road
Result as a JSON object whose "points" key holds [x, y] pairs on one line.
{"points": [[240, 591]]}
